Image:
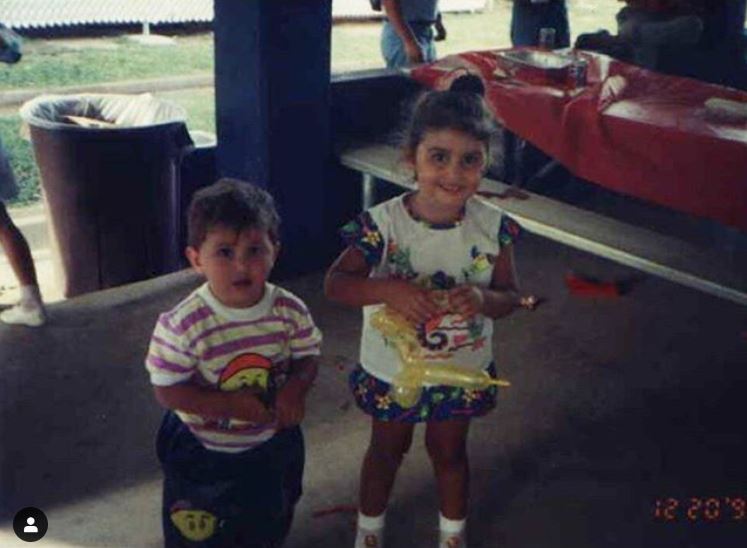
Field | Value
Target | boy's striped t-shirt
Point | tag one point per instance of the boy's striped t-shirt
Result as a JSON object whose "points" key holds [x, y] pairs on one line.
{"points": [[201, 341]]}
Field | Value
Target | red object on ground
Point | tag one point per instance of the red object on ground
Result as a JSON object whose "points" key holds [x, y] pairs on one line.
{"points": [[339, 509], [586, 287], [630, 129]]}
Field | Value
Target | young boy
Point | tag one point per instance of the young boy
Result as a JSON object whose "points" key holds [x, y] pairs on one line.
{"points": [[232, 364]]}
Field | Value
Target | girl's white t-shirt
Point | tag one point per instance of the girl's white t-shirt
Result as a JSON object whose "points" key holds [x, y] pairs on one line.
{"points": [[398, 245]]}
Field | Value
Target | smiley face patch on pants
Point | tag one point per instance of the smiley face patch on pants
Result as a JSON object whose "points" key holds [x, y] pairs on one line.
{"points": [[194, 524]]}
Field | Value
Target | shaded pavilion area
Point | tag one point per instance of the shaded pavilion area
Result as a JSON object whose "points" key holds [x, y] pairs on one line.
{"points": [[615, 404]]}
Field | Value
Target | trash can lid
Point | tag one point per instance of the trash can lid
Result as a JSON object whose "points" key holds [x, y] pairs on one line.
{"points": [[100, 111], [202, 139]]}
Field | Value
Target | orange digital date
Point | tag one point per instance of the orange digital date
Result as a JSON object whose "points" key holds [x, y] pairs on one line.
{"points": [[700, 509]]}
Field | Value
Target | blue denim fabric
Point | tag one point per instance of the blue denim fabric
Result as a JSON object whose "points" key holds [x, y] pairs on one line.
{"points": [[393, 50]]}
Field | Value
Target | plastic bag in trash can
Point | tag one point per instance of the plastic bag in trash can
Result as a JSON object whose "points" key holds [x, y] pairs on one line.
{"points": [[114, 111], [111, 184]]}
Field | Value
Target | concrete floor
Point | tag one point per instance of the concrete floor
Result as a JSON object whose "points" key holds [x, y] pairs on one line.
{"points": [[615, 403]]}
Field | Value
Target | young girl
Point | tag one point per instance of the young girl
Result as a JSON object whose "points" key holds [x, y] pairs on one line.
{"points": [[444, 260]]}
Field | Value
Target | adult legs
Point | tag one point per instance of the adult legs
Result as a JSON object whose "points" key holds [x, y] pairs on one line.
{"points": [[29, 310], [16, 249]]}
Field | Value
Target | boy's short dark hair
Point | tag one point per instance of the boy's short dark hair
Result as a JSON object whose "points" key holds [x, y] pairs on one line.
{"points": [[234, 204]]}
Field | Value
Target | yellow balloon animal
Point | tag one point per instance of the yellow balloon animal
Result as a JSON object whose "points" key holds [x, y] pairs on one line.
{"points": [[417, 371]]}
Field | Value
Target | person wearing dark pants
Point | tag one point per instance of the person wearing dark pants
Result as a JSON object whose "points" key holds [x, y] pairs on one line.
{"points": [[529, 16]]}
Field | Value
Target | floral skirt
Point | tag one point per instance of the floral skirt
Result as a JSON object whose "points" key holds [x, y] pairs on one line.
{"points": [[436, 403]]}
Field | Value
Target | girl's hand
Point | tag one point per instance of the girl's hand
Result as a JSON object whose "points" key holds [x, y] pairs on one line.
{"points": [[466, 300], [413, 302]]}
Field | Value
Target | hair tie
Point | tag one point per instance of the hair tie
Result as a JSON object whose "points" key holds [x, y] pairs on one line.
{"points": [[468, 83]]}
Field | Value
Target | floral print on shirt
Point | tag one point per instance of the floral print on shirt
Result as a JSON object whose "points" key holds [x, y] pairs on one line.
{"points": [[509, 232], [363, 234]]}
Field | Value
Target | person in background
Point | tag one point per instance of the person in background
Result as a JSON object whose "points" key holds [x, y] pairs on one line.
{"points": [[30, 310], [529, 16], [701, 39], [720, 55], [653, 28], [408, 35]]}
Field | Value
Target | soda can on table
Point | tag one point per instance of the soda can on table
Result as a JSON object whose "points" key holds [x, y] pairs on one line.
{"points": [[547, 38], [578, 72]]}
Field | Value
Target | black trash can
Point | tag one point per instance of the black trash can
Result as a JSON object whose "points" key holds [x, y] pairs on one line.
{"points": [[198, 170], [109, 169]]}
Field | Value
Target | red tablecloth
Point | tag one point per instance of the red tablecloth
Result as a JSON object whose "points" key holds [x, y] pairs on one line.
{"points": [[631, 130]]}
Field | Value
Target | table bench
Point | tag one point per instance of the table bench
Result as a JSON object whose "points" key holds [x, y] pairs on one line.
{"points": [[642, 249]]}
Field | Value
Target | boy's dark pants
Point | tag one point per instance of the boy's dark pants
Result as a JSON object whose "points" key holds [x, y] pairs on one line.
{"points": [[213, 499]]}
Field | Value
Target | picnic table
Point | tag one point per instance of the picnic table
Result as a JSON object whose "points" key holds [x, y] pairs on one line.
{"points": [[631, 130]]}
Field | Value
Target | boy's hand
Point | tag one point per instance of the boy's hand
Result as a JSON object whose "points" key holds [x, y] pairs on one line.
{"points": [[290, 405], [466, 300], [413, 302], [248, 407]]}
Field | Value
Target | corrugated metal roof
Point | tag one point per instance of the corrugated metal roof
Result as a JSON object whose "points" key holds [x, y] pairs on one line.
{"points": [[21, 14]]}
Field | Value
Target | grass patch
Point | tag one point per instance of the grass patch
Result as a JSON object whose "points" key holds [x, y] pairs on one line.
{"points": [[199, 104], [22, 159], [46, 64]]}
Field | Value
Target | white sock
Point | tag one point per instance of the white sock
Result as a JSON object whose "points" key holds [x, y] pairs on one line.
{"points": [[370, 533], [371, 522], [30, 296], [32, 316], [451, 532]]}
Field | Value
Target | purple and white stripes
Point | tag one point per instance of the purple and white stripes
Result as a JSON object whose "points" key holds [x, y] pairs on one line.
{"points": [[195, 342]]}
